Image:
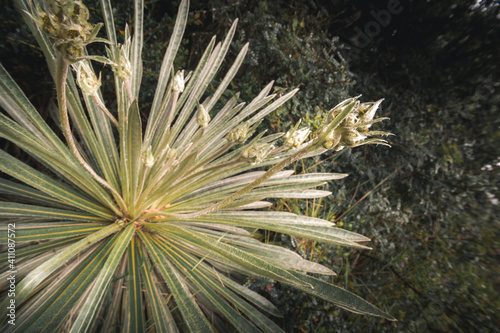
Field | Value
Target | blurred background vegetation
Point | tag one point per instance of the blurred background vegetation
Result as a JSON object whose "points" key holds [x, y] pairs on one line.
{"points": [[430, 203]]}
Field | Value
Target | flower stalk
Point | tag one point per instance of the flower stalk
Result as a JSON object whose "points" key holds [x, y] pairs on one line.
{"points": [[90, 84], [62, 66], [342, 128]]}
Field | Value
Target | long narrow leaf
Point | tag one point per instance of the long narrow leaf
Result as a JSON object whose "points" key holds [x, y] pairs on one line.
{"points": [[10, 209], [203, 283], [194, 318], [30, 176], [137, 47], [163, 320], [66, 166], [29, 193], [180, 25], [135, 314], [107, 154], [33, 279], [88, 310], [228, 252], [340, 297], [46, 314], [133, 150], [42, 247], [43, 231]]}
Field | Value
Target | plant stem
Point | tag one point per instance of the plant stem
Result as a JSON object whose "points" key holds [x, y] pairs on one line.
{"points": [[61, 74], [104, 109]]}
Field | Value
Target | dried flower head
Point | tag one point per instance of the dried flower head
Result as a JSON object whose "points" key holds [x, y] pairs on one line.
{"points": [[66, 24], [348, 123]]}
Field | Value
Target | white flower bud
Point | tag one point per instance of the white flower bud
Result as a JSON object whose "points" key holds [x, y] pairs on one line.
{"points": [[257, 152], [353, 128], [86, 79], [178, 85], [239, 133], [147, 158], [296, 137], [368, 110], [351, 137], [332, 140], [202, 117], [123, 68]]}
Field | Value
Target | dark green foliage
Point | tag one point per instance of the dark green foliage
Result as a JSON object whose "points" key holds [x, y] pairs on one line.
{"points": [[18, 48], [287, 45], [435, 236], [441, 222]]}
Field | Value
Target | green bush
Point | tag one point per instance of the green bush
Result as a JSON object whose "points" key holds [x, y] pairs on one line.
{"points": [[435, 213]]}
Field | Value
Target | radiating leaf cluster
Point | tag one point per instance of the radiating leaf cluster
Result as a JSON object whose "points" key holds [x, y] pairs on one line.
{"points": [[151, 226]]}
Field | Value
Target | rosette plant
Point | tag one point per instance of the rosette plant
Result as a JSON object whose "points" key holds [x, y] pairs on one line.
{"points": [[151, 225]]}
